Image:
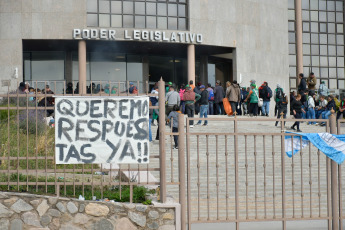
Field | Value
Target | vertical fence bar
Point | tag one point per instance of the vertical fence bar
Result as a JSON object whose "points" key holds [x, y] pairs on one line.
{"points": [[310, 182], [283, 172], [236, 177], [8, 139], [217, 177], [189, 205], [182, 171], [226, 177], [334, 178], [302, 195], [264, 166], [255, 178], [340, 188], [198, 168], [162, 159], [208, 177], [273, 180], [246, 166]]}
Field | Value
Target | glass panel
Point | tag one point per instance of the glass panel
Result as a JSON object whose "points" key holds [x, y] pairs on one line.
{"points": [[75, 67], [306, 49], [182, 24], [314, 16], [306, 60], [116, 7], [315, 49], [339, 17], [172, 23], [332, 83], [323, 38], [315, 60], [116, 20], [292, 60], [104, 20], [322, 16], [339, 6], [340, 28], [340, 50], [27, 66], [182, 10], [305, 15], [332, 61], [292, 71], [341, 73], [314, 38], [305, 4], [292, 49], [323, 27], [291, 4], [331, 16], [140, 8], [331, 28], [322, 5], [314, 27], [48, 66], [340, 61], [92, 6], [128, 21], [306, 26], [341, 84], [139, 21], [92, 20], [331, 39], [162, 9], [324, 72], [332, 50], [151, 22], [292, 81], [104, 67], [292, 37], [291, 15], [306, 38], [330, 5], [151, 8], [291, 26], [314, 4], [172, 10], [128, 7], [323, 61], [316, 71], [182, 1], [323, 50], [162, 23], [340, 39], [104, 7]]}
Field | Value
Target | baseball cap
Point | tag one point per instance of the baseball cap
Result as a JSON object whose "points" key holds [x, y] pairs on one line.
{"points": [[202, 87], [169, 83], [218, 81], [187, 86], [253, 85], [131, 83]]}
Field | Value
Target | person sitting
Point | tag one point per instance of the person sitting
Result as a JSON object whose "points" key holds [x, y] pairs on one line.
{"points": [[322, 107], [330, 106]]}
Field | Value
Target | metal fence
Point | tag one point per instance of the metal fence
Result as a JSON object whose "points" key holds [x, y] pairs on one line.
{"points": [[220, 175]]}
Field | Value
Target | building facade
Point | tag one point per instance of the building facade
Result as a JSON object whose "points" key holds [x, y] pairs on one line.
{"points": [[44, 41]]}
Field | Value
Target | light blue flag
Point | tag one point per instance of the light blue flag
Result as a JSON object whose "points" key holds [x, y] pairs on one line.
{"points": [[333, 146]]}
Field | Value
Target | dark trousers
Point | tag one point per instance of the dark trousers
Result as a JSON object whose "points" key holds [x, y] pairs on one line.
{"points": [[175, 130], [253, 109], [297, 116], [233, 106], [281, 110], [168, 109], [190, 112], [339, 114], [219, 108]]}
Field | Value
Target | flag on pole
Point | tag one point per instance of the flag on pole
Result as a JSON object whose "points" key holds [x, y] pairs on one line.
{"points": [[333, 146]]}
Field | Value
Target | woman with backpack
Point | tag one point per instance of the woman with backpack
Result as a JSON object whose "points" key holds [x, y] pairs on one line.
{"points": [[253, 98]]}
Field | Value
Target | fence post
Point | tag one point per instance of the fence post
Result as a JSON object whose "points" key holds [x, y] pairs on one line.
{"points": [[161, 125], [182, 170], [334, 178]]}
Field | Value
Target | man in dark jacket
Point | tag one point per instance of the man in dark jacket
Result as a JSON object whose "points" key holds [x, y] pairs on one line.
{"points": [[302, 84], [265, 94], [203, 104], [330, 106], [218, 98], [190, 98]]}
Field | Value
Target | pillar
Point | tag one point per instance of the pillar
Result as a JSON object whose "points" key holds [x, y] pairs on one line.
{"points": [[146, 73], [82, 66], [191, 63], [299, 41], [203, 69]]}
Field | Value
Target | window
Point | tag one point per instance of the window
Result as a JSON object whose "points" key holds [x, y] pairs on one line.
{"points": [[162, 14]]}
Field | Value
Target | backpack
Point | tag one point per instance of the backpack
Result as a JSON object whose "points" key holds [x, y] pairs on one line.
{"points": [[269, 92], [210, 95], [279, 94]]}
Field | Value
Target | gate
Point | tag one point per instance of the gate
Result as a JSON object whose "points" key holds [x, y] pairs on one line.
{"points": [[236, 173]]}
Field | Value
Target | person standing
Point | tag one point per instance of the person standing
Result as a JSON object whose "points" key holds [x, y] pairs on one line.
{"points": [[253, 98], [265, 94], [311, 108], [278, 95], [190, 98], [173, 115], [244, 95], [203, 105], [191, 84], [323, 90], [282, 107], [311, 82], [302, 84], [233, 94], [172, 99], [210, 99], [218, 98], [297, 112]]}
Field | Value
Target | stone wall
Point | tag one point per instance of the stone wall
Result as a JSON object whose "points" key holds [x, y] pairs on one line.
{"points": [[26, 211]]}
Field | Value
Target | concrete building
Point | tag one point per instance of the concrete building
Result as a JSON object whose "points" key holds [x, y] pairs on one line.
{"points": [[143, 40]]}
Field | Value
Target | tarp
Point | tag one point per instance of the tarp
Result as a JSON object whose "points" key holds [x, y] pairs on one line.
{"points": [[333, 146]]}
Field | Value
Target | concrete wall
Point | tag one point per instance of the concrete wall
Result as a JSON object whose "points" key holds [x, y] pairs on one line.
{"points": [[257, 29], [26, 211]]}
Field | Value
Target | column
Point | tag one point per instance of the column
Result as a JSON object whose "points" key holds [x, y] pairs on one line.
{"points": [[146, 73], [82, 66], [203, 70], [299, 41], [191, 63]]}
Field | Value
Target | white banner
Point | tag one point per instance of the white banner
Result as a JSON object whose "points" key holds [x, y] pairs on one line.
{"points": [[101, 130]]}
